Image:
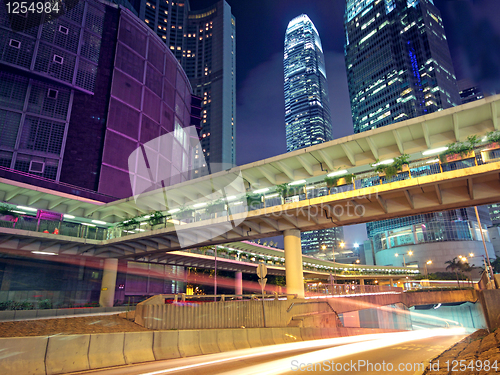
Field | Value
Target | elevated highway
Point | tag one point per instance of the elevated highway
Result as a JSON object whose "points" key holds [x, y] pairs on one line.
{"points": [[428, 186]]}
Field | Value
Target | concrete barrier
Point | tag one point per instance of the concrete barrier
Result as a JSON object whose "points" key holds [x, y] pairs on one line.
{"points": [[266, 336], [138, 347], [292, 334], [189, 343], [25, 314], [208, 341], [166, 345], [64, 312], [306, 333], [106, 349], [23, 355], [278, 335], [225, 340], [45, 313], [240, 338], [67, 354], [7, 315], [254, 337]]}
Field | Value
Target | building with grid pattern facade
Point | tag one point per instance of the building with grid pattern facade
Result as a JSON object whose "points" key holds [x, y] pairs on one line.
{"points": [[80, 92], [397, 60], [204, 42], [399, 67], [307, 111]]}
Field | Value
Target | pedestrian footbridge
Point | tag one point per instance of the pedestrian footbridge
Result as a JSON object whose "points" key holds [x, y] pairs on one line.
{"points": [[285, 194]]}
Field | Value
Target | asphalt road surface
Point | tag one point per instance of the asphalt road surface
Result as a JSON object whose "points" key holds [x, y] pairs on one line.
{"points": [[391, 353]]}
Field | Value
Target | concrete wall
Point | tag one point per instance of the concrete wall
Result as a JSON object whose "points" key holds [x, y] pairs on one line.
{"points": [[468, 315], [69, 353], [490, 300], [7, 315], [155, 314]]}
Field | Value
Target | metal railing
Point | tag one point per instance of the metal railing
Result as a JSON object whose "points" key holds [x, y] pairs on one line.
{"points": [[352, 289], [417, 169]]}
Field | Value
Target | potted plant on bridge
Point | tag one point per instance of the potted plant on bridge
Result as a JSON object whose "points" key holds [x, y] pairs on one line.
{"points": [[460, 150], [253, 201], [156, 218], [185, 213], [129, 224], [6, 213], [400, 164], [216, 207], [339, 180]]}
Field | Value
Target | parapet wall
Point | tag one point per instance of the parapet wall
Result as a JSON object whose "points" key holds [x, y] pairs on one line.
{"points": [[62, 354]]}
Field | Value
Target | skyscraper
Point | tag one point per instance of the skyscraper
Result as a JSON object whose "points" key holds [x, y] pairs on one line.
{"points": [[204, 42], [307, 108], [397, 60], [399, 67]]}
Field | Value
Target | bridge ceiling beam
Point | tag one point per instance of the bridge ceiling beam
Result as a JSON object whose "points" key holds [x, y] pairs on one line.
{"points": [[427, 138], [494, 116], [328, 161], [288, 171], [306, 165], [456, 127], [348, 152], [373, 147], [271, 177], [399, 141]]}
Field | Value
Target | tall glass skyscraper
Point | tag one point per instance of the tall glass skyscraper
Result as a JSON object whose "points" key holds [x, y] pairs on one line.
{"points": [[397, 60], [204, 42], [307, 108], [399, 67]]}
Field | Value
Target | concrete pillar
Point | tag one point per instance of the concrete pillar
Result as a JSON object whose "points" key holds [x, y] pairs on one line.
{"points": [[238, 282], [362, 285], [391, 281], [293, 263], [108, 284], [8, 272], [361, 281]]}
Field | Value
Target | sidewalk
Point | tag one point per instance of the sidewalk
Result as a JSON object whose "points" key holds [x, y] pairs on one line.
{"points": [[469, 356]]}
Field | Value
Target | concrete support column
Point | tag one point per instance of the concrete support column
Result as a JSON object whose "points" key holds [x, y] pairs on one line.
{"points": [[293, 263], [108, 284], [238, 282], [391, 281], [8, 272], [362, 285]]}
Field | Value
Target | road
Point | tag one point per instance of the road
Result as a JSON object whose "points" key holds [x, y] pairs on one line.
{"points": [[398, 353]]}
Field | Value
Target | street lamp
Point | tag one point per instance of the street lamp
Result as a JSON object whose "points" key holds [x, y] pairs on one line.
{"points": [[426, 263], [410, 253]]}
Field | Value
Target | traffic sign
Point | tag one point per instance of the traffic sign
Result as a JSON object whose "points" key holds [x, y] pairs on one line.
{"points": [[261, 270]]}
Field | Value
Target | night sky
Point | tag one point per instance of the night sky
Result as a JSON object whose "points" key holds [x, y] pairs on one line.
{"points": [[472, 28]]}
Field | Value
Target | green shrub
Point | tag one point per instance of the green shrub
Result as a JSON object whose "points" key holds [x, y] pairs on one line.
{"points": [[493, 136], [6, 305], [45, 304]]}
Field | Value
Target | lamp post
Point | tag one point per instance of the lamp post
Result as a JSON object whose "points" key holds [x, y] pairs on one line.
{"points": [[490, 274], [410, 253], [426, 263]]}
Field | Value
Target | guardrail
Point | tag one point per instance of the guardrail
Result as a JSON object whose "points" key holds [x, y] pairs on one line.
{"points": [[422, 167], [350, 289]]}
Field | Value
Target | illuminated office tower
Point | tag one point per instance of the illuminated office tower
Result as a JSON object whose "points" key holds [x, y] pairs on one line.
{"points": [[204, 43], [398, 61], [307, 108], [399, 67]]}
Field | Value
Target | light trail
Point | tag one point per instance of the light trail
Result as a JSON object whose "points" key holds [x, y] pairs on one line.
{"points": [[342, 347], [284, 365]]}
